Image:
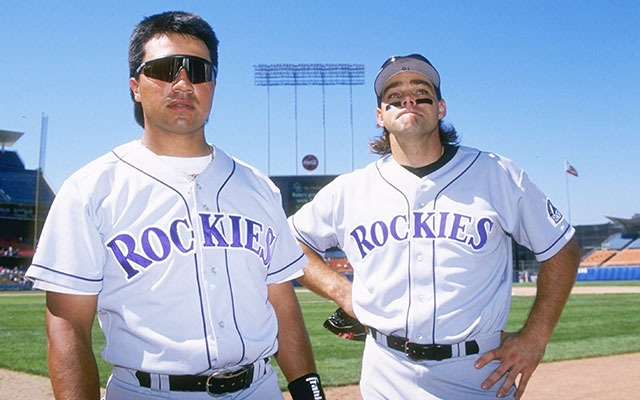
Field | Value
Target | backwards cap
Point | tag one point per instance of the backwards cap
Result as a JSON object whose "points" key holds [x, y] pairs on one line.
{"points": [[413, 62]]}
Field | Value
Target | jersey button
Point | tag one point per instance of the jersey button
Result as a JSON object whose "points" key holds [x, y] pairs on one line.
{"points": [[221, 324], [421, 205], [214, 270], [419, 257], [421, 298]]}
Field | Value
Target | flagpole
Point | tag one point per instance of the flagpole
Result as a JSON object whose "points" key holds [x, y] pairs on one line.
{"points": [[566, 177]]}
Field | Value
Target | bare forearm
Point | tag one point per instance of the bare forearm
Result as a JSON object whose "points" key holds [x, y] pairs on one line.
{"points": [[321, 279], [555, 281], [72, 364], [520, 353], [73, 370], [295, 356]]}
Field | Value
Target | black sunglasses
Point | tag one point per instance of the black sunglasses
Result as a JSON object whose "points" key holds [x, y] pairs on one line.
{"points": [[167, 68]]}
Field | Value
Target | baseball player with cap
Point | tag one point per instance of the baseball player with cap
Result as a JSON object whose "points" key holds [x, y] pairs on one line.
{"points": [[427, 229], [184, 250]]}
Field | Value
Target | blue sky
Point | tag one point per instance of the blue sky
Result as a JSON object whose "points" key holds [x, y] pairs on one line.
{"points": [[533, 81]]}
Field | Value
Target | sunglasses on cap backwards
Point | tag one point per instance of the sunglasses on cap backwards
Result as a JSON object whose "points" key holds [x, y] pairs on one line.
{"points": [[412, 62], [394, 58], [167, 68]]}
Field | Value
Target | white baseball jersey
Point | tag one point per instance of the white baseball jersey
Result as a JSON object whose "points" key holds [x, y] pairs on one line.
{"points": [[180, 264], [432, 256]]}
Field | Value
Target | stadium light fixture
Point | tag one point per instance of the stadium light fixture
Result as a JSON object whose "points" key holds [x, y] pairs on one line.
{"points": [[305, 75]]}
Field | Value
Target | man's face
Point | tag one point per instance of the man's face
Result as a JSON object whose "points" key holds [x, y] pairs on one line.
{"points": [[409, 105], [177, 107]]}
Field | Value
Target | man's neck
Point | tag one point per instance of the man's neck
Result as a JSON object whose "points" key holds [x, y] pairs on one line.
{"points": [[417, 154], [176, 145]]}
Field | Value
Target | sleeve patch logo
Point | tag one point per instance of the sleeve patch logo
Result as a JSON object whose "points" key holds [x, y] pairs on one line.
{"points": [[554, 215]]}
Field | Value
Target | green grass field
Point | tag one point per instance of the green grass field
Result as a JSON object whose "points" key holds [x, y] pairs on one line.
{"points": [[591, 326]]}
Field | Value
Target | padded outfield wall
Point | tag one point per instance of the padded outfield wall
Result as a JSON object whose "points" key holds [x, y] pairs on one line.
{"points": [[631, 273]]}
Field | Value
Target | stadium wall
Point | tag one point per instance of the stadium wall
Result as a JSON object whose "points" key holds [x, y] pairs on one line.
{"points": [[609, 274]]}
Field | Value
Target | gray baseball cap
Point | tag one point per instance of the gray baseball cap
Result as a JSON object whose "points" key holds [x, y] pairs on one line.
{"points": [[413, 62]]}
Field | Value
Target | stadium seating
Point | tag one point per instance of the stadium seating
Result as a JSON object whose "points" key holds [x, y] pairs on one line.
{"points": [[635, 244], [17, 248], [339, 264], [626, 257], [597, 258], [616, 242]]}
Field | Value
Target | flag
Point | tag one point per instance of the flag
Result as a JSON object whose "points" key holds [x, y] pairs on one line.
{"points": [[569, 169]]}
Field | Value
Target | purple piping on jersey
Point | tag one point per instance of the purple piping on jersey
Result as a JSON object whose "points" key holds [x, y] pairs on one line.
{"points": [[433, 244], [70, 275], [301, 236], [406, 323], [226, 261], [286, 266], [556, 241], [195, 256]]}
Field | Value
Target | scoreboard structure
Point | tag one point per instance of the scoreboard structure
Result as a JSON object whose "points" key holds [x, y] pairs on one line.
{"points": [[298, 190]]}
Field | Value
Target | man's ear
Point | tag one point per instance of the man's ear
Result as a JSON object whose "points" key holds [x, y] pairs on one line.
{"points": [[442, 109], [379, 118], [135, 88]]}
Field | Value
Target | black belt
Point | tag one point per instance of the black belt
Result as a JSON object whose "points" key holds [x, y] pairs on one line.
{"points": [[419, 352], [215, 384]]}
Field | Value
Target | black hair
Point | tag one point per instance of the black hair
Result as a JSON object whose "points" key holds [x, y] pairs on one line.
{"points": [[161, 24]]}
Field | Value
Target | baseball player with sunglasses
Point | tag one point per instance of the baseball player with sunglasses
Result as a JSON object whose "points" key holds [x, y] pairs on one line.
{"points": [[427, 229], [184, 250]]}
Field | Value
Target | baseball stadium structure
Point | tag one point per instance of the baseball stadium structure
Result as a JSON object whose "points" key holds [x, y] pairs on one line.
{"points": [[610, 251], [614, 244], [25, 199]]}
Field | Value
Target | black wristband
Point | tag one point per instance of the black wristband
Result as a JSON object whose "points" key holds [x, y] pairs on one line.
{"points": [[306, 387]]}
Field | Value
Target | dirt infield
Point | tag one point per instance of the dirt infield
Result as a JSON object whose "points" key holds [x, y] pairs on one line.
{"points": [[604, 378], [531, 291]]}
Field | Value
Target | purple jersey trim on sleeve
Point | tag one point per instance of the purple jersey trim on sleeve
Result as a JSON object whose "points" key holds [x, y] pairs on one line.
{"points": [[301, 237], [65, 274], [556, 241], [286, 266]]}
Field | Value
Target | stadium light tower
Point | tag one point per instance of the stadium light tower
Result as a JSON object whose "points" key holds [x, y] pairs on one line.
{"points": [[308, 74]]}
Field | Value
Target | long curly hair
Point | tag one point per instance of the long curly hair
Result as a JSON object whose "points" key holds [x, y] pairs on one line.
{"points": [[382, 146]]}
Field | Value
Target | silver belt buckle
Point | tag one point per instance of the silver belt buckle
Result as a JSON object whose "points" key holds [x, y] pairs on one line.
{"points": [[224, 375], [406, 351]]}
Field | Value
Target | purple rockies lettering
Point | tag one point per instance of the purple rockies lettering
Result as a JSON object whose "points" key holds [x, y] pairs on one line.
{"points": [[210, 231], [449, 226], [130, 245], [359, 234], [420, 225], [154, 244], [483, 227]]}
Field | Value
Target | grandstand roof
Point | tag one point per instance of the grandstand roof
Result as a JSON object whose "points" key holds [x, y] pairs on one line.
{"points": [[18, 185], [629, 222], [8, 138]]}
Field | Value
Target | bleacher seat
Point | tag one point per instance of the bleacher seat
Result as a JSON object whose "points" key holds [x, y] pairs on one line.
{"points": [[626, 257], [339, 264], [616, 242], [597, 258], [635, 244]]}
